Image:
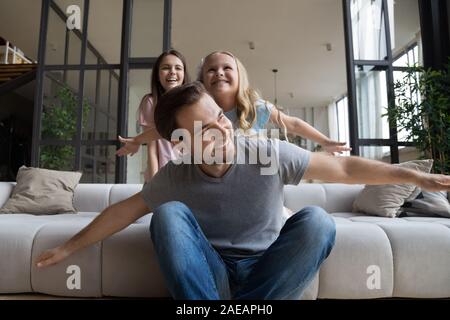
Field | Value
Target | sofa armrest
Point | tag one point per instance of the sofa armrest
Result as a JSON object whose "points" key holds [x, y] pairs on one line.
{"points": [[6, 189]]}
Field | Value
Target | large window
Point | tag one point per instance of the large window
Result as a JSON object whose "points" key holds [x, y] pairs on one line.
{"points": [[382, 37], [87, 90]]}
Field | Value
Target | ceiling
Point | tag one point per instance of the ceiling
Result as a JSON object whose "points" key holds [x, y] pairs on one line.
{"points": [[289, 35]]}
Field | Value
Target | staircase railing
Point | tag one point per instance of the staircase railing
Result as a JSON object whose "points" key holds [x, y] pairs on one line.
{"points": [[10, 54]]}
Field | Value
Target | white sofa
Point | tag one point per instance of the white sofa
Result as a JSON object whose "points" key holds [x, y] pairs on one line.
{"points": [[374, 257]]}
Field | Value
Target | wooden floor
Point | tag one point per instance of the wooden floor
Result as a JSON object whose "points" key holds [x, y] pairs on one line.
{"points": [[30, 296], [39, 296]]}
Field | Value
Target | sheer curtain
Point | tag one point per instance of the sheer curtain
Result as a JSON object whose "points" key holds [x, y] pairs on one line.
{"points": [[369, 36], [338, 121], [372, 101], [333, 121]]}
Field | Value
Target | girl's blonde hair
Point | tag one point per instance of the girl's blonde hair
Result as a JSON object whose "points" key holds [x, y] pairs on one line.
{"points": [[246, 97]]}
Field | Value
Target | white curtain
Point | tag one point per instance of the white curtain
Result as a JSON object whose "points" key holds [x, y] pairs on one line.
{"points": [[369, 38], [372, 103], [333, 121], [338, 121]]}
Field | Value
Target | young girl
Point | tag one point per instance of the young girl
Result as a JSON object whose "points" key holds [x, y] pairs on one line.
{"points": [[169, 71], [226, 79]]}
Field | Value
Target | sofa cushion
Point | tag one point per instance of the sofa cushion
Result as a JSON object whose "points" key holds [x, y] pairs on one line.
{"points": [[92, 197], [58, 279], [386, 200], [360, 250], [6, 189], [421, 255], [42, 191], [332, 197], [17, 234], [129, 264]]}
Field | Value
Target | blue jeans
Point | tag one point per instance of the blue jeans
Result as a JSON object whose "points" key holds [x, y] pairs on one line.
{"points": [[193, 269]]}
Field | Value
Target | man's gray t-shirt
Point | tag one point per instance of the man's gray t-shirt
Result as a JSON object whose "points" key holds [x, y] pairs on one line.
{"points": [[241, 213]]}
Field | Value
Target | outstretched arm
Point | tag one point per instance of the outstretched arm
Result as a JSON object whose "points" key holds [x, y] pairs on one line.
{"points": [[132, 144], [354, 170], [110, 221], [301, 128], [152, 160]]}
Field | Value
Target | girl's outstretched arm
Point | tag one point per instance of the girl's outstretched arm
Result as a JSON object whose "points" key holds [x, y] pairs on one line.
{"points": [[301, 128]]}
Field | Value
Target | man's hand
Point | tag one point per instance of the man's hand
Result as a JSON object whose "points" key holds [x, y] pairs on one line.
{"points": [[434, 182], [332, 146], [130, 147], [356, 170], [52, 256]]}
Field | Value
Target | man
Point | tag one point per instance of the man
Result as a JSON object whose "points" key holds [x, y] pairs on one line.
{"points": [[217, 226]]}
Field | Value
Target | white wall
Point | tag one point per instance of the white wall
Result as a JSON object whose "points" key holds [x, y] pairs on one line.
{"points": [[20, 22], [135, 163], [406, 22]]}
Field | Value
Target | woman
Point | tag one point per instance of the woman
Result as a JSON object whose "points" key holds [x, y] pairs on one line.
{"points": [[169, 71]]}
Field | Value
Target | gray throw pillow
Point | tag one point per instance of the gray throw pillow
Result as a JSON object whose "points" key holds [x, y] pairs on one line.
{"points": [[41, 191], [428, 204], [386, 200]]}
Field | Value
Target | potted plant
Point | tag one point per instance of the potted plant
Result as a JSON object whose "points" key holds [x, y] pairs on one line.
{"points": [[59, 121], [422, 110]]}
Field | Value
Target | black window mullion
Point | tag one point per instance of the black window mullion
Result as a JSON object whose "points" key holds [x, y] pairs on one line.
{"points": [[351, 81], [39, 95], [390, 86], [66, 54], [371, 62], [122, 114], [77, 165], [167, 24], [85, 67], [109, 103]]}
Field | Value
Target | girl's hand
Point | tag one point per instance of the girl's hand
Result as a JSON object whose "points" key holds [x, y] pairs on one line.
{"points": [[335, 146], [130, 147]]}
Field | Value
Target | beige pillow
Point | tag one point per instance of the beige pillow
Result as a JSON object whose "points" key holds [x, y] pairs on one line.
{"points": [[41, 191], [386, 200]]}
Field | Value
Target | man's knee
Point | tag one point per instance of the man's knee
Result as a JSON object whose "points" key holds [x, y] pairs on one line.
{"points": [[168, 215], [319, 224]]}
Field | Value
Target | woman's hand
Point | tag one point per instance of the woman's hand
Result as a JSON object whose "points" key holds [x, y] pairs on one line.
{"points": [[335, 146], [130, 147], [52, 256]]}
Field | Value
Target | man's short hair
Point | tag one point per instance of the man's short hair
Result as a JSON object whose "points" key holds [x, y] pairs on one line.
{"points": [[171, 102]]}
